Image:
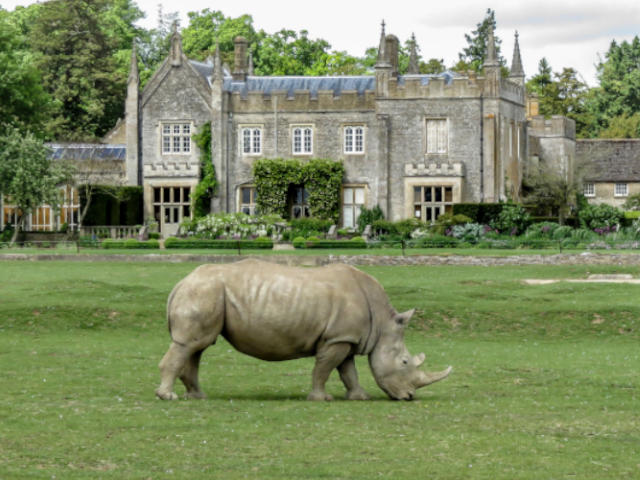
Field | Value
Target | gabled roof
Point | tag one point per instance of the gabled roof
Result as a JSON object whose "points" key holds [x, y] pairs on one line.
{"points": [[609, 160]]}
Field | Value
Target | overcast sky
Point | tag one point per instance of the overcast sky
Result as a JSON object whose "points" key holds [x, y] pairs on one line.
{"points": [[568, 33]]}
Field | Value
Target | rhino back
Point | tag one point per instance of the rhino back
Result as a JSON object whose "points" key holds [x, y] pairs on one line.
{"points": [[279, 313]]}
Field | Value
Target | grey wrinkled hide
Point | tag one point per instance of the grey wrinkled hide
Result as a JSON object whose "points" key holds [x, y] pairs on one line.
{"points": [[274, 312]]}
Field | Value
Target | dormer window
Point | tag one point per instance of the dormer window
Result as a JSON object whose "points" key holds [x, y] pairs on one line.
{"points": [[176, 138]]}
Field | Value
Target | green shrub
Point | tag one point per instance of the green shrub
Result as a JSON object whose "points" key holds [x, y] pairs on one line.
{"points": [[468, 232], [299, 242], [154, 236], [368, 216], [542, 229], [513, 220], [481, 213], [306, 227], [602, 217], [406, 227], [131, 243], [383, 227], [436, 241], [6, 234], [562, 232]]}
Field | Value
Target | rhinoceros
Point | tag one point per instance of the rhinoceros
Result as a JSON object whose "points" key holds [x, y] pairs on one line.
{"points": [[275, 312]]}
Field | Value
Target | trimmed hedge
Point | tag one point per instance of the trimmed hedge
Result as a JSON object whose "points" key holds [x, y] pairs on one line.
{"points": [[129, 243], [314, 242], [187, 243], [481, 213]]}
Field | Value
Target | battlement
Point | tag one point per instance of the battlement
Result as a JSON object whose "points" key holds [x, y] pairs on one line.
{"points": [[434, 87], [182, 168], [556, 126], [512, 91], [302, 100], [433, 170]]}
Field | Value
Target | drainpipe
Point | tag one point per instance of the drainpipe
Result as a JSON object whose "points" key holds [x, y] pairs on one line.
{"points": [[227, 161], [275, 119]]}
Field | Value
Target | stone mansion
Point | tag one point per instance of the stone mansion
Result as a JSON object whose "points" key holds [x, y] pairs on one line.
{"points": [[414, 144]]}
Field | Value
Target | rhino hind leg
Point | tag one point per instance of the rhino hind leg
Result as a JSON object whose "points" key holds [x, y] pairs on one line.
{"points": [[189, 376], [349, 376], [171, 366], [328, 357]]}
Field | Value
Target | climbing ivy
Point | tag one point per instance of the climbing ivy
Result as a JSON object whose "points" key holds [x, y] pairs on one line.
{"points": [[322, 179], [208, 185]]}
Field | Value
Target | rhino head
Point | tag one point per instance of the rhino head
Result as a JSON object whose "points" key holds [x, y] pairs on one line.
{"points": [[394, 369]]}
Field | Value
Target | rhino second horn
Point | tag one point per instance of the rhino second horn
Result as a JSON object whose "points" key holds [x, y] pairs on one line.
{"points": [[427, 378], [418, 360]]}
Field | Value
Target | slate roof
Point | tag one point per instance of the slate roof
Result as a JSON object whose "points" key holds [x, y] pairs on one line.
{"points": [[88, 151], [290, 84], [610, 160]]}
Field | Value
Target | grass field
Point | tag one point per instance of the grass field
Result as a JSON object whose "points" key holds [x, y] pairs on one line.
{"points": [[545, 384]]}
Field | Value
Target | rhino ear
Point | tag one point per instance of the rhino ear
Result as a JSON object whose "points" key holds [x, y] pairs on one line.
{"points": [[404, 317]]}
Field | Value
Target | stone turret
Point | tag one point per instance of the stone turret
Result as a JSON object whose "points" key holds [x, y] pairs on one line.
{"points": [[176, 46], [240, 66], [392, 46], [414, 68], [382, 67], [516, 74], [132, 115], [491, 68]]}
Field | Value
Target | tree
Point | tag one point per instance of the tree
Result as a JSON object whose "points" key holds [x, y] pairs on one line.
{"points": [[24, 102], [622, 126], [77, 41], [153, 45], [289, 53], [618, 95], [27, 175], [541, 80], [473, 55], [552, 189]]}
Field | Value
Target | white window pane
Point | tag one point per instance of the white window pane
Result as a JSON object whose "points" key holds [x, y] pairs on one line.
{"points": [[347, 215], [246, 140], [176, 129], [257, 141], [359, 197], [166, 129], [347, 196], [186, 128], [186, 144]]}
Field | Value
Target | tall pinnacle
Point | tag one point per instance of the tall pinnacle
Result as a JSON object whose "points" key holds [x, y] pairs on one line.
{"points": [[133, 69], [414, 68], [516, 63], [491, 59], [383, 61]]}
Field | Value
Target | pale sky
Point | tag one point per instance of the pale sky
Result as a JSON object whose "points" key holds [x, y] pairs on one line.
{"points": [[569, 33]]}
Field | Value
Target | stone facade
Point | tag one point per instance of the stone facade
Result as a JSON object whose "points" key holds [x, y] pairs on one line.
{"points": [[413, 144]]}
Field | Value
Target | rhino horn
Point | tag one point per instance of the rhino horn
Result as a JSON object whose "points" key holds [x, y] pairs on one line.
{"points": [[418, 360], [427, 378]]}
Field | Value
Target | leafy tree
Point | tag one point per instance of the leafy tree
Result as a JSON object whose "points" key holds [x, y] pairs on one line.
{"points": [[433, 65], [473, 55], [619, 75], [289, 53], [207, 27], [27, 175], [622, 126], [78, 42], [540, 82], [551, 189], [24, 102]]}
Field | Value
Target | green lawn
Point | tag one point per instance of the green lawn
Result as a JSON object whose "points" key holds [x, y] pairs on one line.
{"points": [[545, 384]]}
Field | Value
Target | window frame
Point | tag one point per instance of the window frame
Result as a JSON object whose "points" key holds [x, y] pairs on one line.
{"points": [[427, 209], [252, 206], [354, 139], [439, 120], [176, 142], [356, 207], [618, 187], [255, 132], [589, 189], [303, 127]]}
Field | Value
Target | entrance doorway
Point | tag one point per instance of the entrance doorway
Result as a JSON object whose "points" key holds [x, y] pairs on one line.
{"points": [[171, 205]]}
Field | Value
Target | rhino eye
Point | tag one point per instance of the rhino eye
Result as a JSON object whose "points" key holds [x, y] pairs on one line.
{"points": [[404, 361]]}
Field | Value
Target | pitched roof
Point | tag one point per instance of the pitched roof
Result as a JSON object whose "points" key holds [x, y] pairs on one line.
{"points": [[610, 160], [290, 84], [88, 151]]}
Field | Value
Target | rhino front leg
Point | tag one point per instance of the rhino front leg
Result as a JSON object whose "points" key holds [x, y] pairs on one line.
{"points": [[328, 357], [349, 376], [189, 376]]}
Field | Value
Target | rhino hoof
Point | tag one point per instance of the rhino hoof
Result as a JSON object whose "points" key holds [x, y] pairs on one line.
{"points": [[357, 395], [166, 395], [319, 397]]}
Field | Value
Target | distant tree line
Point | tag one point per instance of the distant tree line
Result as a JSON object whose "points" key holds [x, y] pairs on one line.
{"points": [[64, 65]]}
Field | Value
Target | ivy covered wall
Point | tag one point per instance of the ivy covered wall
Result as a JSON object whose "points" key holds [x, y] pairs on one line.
{"points": [[322, 179]]}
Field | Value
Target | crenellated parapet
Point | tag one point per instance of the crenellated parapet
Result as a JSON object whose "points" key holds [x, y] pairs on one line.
{"points": [[512, 91], [171, 168], [556, 126], [434, 170], [445, 86], [302, 100]]}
